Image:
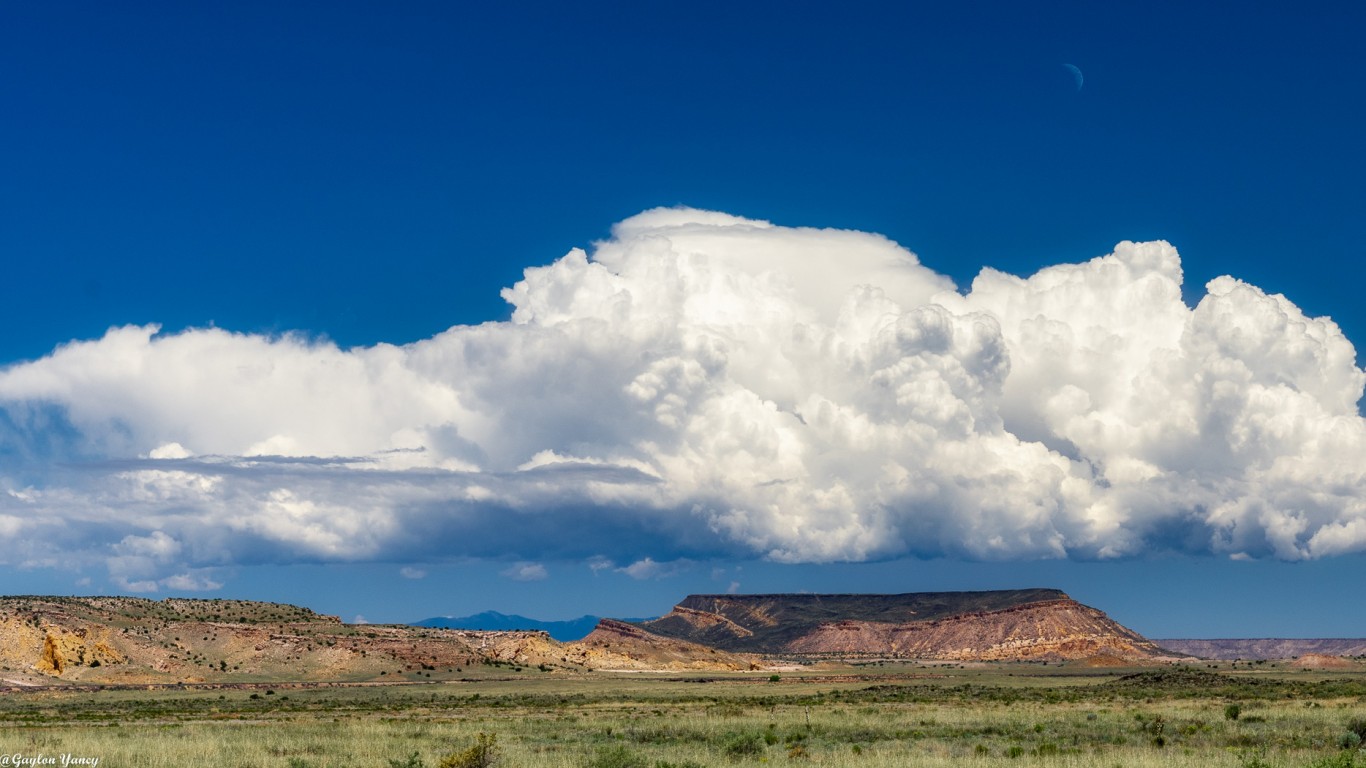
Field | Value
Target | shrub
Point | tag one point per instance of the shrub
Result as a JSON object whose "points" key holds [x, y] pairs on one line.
{"points": [[482, 754], [744, 745], [1232, 711], [1357, 725], [1350, 740]]}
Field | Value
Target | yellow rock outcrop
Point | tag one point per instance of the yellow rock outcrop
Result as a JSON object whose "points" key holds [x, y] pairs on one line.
{"points": [[55, 651], [51, 660]]}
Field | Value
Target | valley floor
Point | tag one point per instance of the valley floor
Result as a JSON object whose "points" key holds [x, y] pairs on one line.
{"points": [[874, 715]]}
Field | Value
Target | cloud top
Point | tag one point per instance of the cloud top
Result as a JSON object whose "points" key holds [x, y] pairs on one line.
{"points": [[705, 384]]}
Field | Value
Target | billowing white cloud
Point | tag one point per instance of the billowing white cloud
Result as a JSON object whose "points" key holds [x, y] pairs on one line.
{"points": [[705, 384]]}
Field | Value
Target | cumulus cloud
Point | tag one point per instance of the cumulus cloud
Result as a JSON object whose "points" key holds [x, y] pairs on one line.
{"points": [[647, 568], [190, 582], [699, 385], [526, 572]]}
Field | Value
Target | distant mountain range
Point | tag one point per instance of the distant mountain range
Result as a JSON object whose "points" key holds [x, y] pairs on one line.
{"points": [[564, 631]]}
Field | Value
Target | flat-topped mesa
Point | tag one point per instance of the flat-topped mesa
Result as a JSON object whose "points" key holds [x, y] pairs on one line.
{"points": [[992, 625], [767, 623]]}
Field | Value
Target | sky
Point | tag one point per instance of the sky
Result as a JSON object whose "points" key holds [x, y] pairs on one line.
{"points": [[564, 309]]}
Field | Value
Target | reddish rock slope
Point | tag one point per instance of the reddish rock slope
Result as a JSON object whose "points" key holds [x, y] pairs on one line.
{"points": [[618, 645]]}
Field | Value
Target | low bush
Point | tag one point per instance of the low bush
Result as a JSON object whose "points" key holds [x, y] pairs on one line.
{"points": [[740, 745], [482, 754], [1357, 725]]}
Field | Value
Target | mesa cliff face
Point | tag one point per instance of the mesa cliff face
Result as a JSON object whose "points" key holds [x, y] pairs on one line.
{"points": [[960, 626]]}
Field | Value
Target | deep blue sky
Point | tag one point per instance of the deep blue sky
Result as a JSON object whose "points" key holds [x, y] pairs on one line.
{"points": [[377, 174], [373, 173]]}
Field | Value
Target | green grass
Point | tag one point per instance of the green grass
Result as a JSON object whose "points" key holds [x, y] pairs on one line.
{"points": [[896, 715]]}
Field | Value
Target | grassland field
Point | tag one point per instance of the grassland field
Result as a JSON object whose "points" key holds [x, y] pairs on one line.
{"points": [[873, 715]]}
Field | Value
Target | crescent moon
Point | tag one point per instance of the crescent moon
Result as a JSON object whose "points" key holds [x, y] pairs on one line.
{"points": [[1076, 74]]}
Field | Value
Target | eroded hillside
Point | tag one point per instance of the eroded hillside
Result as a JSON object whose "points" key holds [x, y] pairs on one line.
{"points": [[122, 640]]}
